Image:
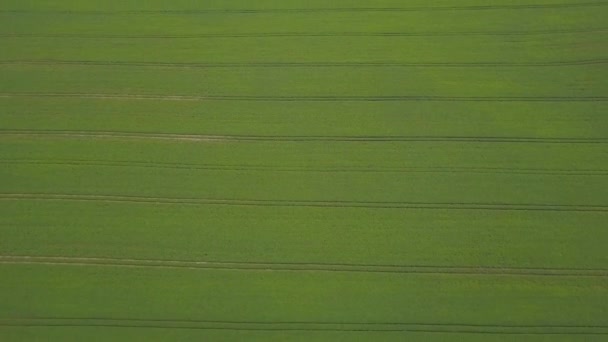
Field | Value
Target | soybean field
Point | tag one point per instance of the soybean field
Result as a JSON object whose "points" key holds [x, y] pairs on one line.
{"points": [[388, 170]]}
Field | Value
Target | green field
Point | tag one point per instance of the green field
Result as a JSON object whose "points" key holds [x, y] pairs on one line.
{"points": [[267, 170]]}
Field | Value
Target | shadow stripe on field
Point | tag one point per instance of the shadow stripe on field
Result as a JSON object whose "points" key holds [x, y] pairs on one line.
{"points": [[308, 326], [219, 138], [302, 267], [304, 203]]}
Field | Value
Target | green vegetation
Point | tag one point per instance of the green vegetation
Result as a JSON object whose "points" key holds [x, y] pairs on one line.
{"points": [[303, 170]]}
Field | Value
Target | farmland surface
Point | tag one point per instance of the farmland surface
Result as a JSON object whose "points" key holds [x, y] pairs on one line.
{"points": [[295, 170]]}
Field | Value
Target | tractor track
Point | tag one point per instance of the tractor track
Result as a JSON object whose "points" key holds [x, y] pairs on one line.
{"points": [[317, 10], [253, 138], [270, 326], [304, 34], [304, 267], [302, 203], [278, 168], [405, 98], [167, 65]]}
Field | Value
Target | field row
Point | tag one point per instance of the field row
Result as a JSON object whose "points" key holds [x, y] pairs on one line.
{"points": [[456, 119], [306, 326], [297, 138], [219, 295], [185, 23], [308, 155], [313, 6], [310, 169], [546, 84], [524, 191], [72, 333], [309, 235], [341, 49], [299, 266], [240, 202]]}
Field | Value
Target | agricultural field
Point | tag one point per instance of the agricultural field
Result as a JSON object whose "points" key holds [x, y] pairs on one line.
{"points": [[388, 170]]}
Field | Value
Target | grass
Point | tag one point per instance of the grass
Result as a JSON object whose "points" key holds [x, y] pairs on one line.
{"points": [[471, 107]]}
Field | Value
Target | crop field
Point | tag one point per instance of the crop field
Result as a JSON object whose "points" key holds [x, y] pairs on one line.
{"points": [[231, 170]]}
